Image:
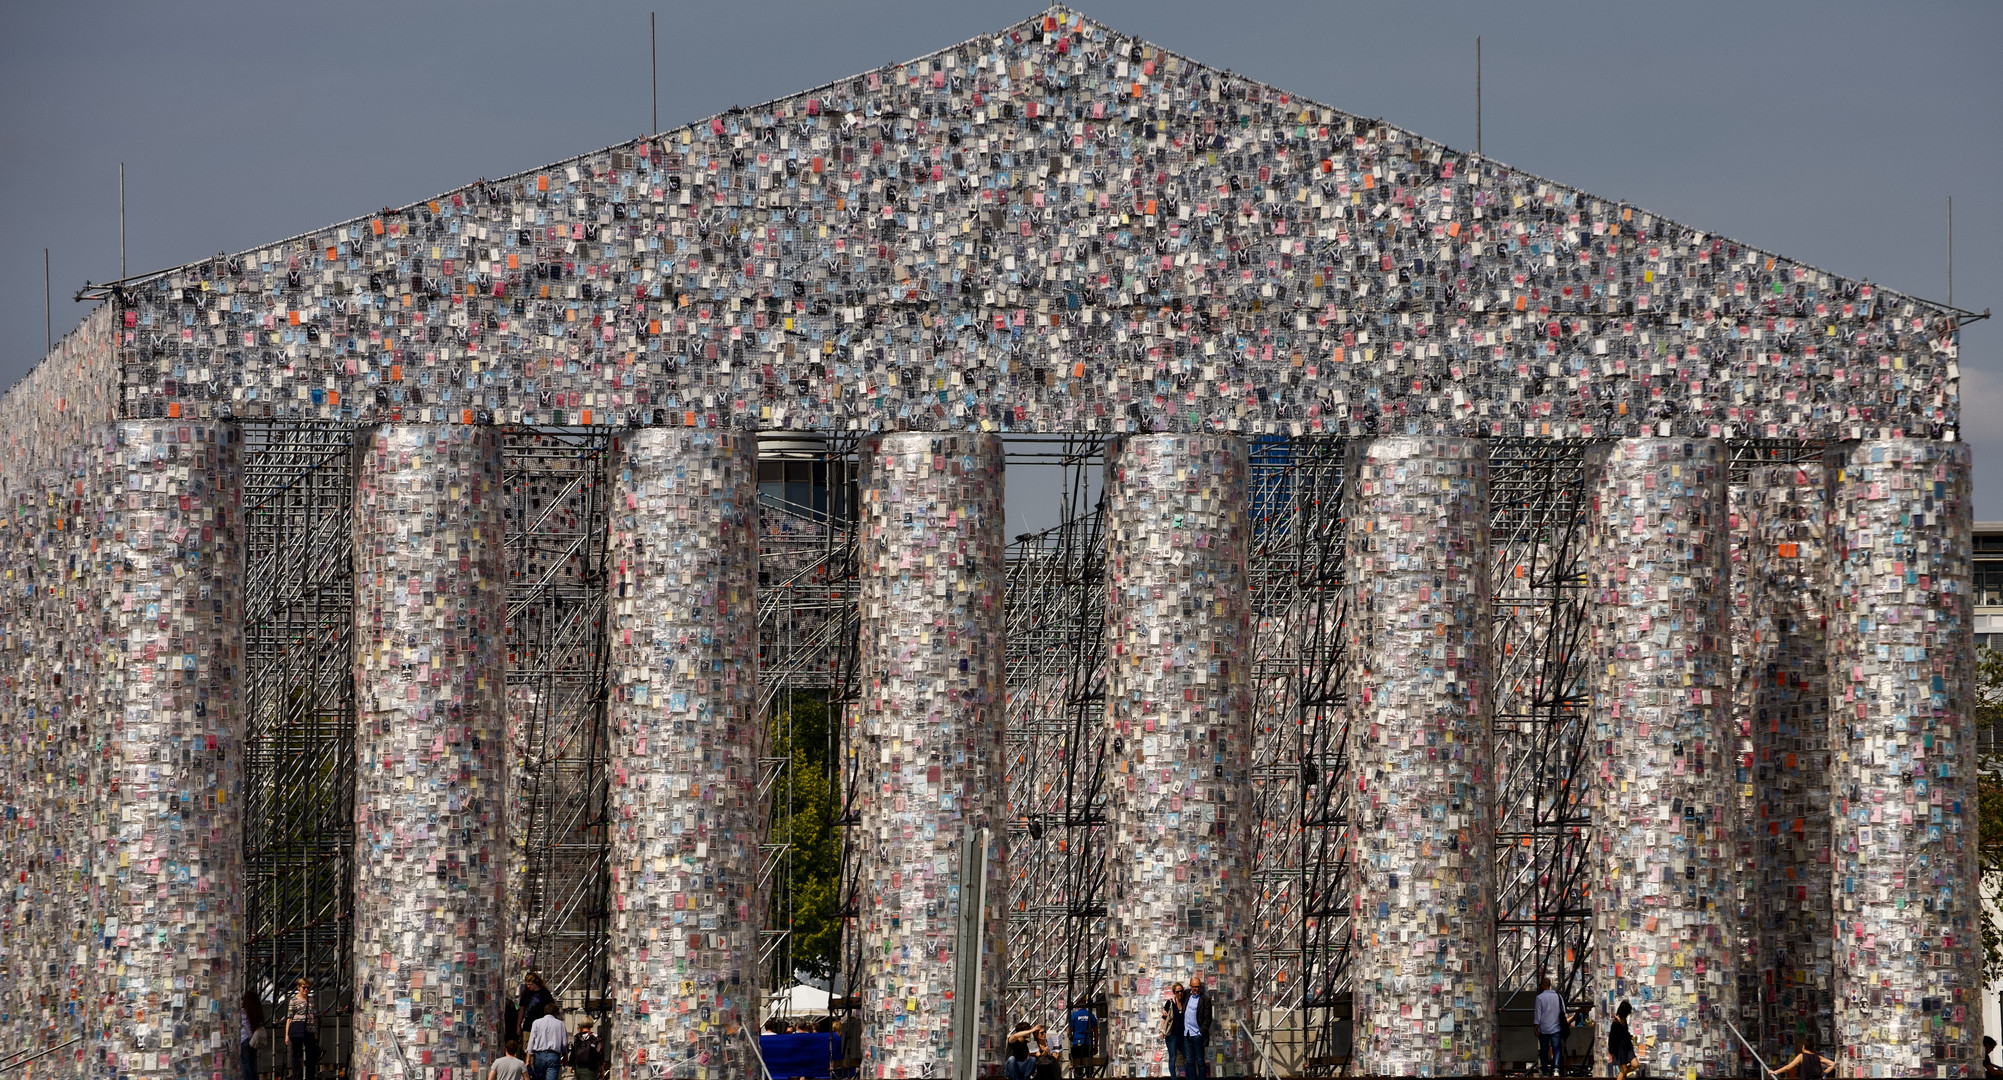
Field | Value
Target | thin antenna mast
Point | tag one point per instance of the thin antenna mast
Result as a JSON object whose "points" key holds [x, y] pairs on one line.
{"points": [[1950, 251], [653, 74], [121, 221], [48, 320], [1477, 95]]}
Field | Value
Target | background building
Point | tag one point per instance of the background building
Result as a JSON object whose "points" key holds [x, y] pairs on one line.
{"points": [[1989, 583]]}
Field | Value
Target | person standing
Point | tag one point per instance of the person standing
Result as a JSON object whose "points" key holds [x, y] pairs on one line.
{"points": [[1620, 1042], [1171, 1026], [252, 1036], [1197, 1021], [302, 1031], [1084, 1026], [1990, 1070], [1548, 1013], [548, 1039], [534, 1000], [587, 1054]]}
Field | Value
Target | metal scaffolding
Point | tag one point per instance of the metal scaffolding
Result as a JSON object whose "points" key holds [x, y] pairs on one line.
{"points": [[299, 701], [1305, 860], [807, 625], [299, 707], [1057, 934], [1537, 517], [1054, 747], [557, 488]]}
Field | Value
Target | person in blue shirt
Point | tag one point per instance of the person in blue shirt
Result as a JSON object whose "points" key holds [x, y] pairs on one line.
{"points": [[1084, 1026], [1548, 1013], [1197, 1024]]}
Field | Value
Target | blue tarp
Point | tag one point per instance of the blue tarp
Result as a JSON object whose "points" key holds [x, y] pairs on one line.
{"points": [[790, 1056]]}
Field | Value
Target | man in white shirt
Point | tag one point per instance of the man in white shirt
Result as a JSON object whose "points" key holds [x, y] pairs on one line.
{"points": [[548, 1039], [1548, 1013]]}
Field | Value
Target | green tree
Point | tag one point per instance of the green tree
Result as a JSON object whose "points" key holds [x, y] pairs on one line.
{"points": [[1989, 824], [815, 881]]}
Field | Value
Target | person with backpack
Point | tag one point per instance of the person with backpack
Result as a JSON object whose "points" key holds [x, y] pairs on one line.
{"points": [[587, 1054]]}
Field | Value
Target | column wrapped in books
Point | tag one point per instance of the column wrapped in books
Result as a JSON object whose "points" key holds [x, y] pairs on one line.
{"points": [[1662, 748], [429, 853], [171, 882], [1908, 916], [930, 734], [1178, 707], [1421, 754], [687, 815]]}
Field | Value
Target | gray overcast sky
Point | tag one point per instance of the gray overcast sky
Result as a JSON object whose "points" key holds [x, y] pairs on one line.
{"points": [[1831, 132]]}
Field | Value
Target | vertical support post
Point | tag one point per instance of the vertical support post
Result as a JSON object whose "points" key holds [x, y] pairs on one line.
{"points": [[967, 988], [931, 737], [1780, 592], [1662, 749], [1178, 691], [429, 669], [171, 491], [1422, 754], [688, 816], [1908, 915]]}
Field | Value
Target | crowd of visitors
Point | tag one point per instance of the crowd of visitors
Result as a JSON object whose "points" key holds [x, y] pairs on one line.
{"points": [[784, 1025], [541, 1043], [534, 1020]]}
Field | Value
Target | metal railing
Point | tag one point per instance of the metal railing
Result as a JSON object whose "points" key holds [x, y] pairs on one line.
{"points": [[12, 1065], [752, 1038], [1265, 1053], [1765, 1073], [400, 1058]]}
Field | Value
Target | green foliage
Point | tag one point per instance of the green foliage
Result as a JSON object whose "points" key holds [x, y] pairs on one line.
{"points": [[1989, 824], [815, 882]]}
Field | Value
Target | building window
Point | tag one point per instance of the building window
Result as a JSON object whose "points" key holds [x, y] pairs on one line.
{"points": [[1989, 583]]}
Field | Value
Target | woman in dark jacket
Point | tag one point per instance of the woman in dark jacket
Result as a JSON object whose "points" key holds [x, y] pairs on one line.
{"points": [[534, 1001], [247, 1039], [1620, 1042]]}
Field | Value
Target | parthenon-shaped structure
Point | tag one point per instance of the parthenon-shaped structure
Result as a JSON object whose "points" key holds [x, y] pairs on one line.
{"points": [[1489, 577]]}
